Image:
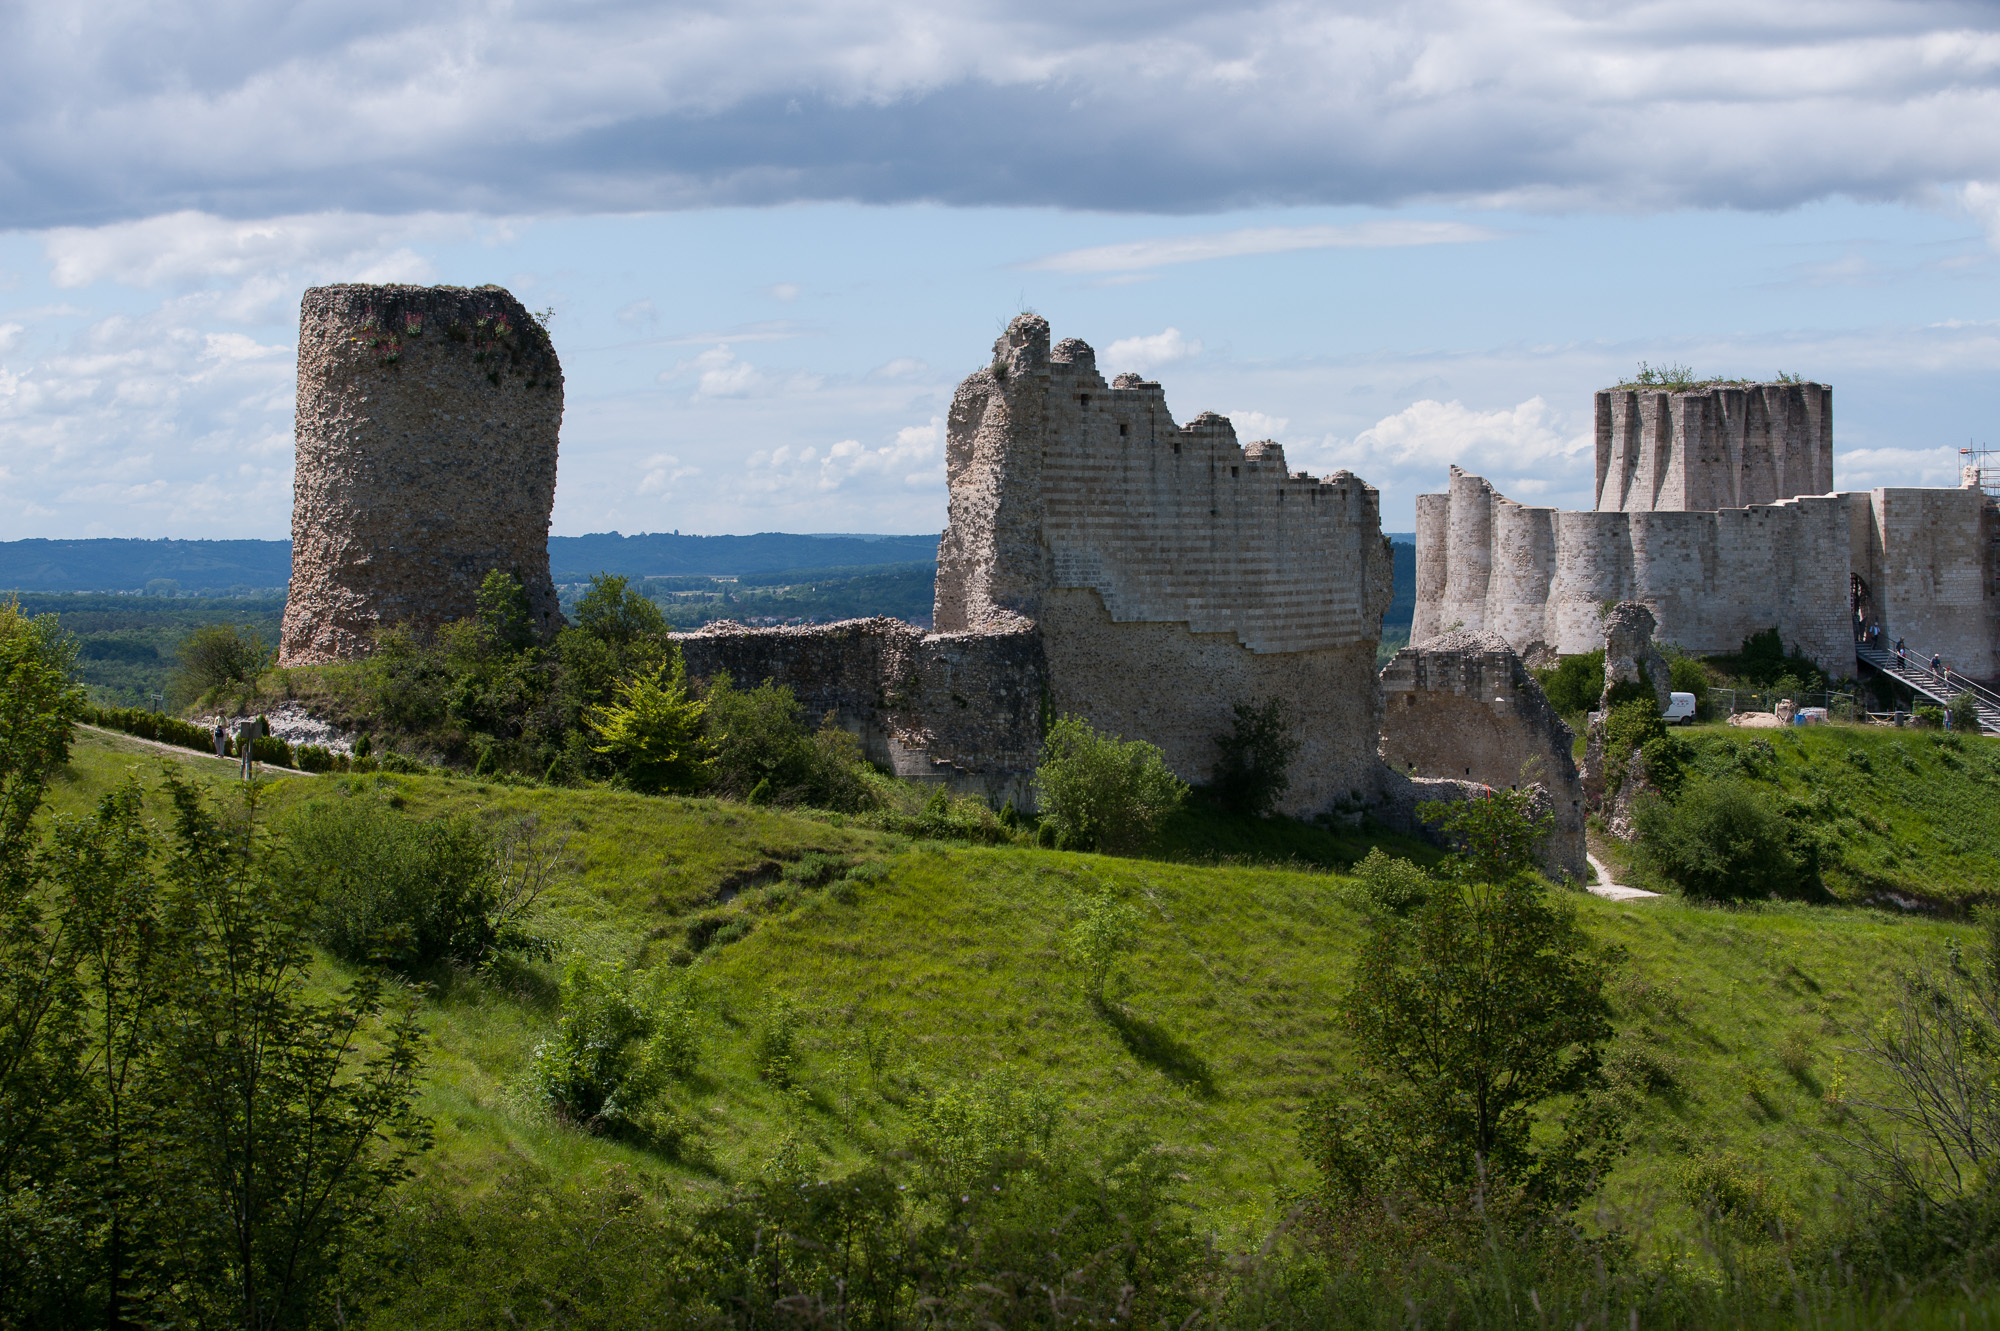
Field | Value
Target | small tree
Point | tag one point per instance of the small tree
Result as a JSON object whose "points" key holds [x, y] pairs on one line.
{"points": [[502, 611], [1469, 1018], [653, 733], [39, 703], [612, 612], [216, 655], [1964, 713], [1575, 683], [1253, 767], [1100, 792], [1107, 929]]}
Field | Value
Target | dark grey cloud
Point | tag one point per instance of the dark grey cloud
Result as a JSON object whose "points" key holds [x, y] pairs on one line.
{"points": [[116, 110]]}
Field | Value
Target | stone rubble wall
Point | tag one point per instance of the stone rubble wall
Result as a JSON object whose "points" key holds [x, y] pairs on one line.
{"points": [[1717, 446], [1169, 571], [1540, 577], [960, 709], [426, 430], [1463, 707]]}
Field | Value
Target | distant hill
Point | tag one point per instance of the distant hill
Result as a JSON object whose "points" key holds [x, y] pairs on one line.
{"points": [[117, 565]]}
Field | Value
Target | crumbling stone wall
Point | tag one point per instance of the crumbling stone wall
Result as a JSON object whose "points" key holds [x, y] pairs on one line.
{"points": [[1169, 571], [963, 709], [1630, 656], [426, 430], [1716, 446], [1463, 707], [1929, 561]]}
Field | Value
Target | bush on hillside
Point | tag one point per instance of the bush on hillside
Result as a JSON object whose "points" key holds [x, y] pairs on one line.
{"points": [[1964, 713], [760, 741], [157, 726], [1098, 792], [1629, 725], [392, 888], [217, 655], [1254, 760], [619, 1042], [1687, 675], [1391, 883], [1575, 683], [652, 735], [1762, 663], [616, 615], [501, 607], [1720, 839]]}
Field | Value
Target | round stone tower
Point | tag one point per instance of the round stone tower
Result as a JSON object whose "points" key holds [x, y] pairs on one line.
{"points": [[427, 422]]}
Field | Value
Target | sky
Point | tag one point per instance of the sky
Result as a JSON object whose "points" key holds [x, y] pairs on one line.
{"points": [[771, 238]]}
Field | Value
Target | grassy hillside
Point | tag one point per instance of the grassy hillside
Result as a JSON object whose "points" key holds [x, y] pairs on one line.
{"points": [[928, 966], [1906, 812]]}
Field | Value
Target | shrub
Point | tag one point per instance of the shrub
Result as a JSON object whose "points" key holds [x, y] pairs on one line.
{"points": [[390, 887], [760, 742], [271, 749], [1667, 760], [1575, 683], [317, 758], [1106, 930], [594, 1071], [1928, 718], [157, 726], [1629, 725], [1099, 792], [652, 735], [1964, 713], [1719, 839], [216, 655], [1392, 883], [1253, 766], [1687, 675]]}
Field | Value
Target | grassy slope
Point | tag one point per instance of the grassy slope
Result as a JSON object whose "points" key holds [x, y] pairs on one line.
{"points": [[948, 966], [1911, 812]]}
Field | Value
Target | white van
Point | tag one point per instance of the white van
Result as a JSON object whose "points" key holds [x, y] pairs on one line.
{"points": [[1680, 709]]}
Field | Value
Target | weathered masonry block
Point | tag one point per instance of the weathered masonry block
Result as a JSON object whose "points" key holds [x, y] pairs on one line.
{"points": [[427, 429], [1463, 707], [1716, 446]]}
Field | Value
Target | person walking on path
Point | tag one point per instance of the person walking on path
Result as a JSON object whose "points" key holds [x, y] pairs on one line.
{"points": [[1937, 664], [221, 739], [247, 731], [1899, 649]]}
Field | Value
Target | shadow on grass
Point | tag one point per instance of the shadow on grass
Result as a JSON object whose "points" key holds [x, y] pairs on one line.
{"points": [[1158, 1047]]}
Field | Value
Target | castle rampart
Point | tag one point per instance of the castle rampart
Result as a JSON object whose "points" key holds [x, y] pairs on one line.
{"points": [[1170, 572], [1714, 446], [1710, 579], [427, 429]]}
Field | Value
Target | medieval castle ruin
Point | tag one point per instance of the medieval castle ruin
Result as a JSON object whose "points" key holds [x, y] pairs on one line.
{"points": [[1716, 510], [427, 421]]}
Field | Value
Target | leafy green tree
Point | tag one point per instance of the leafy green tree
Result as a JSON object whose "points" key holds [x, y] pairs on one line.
{"points": [[280, 1121], [653, 734], [1253, 767], [1097, 791], [612, 612], [1964, 713], [1575, 683], [502, 611], [1469, 1018], [761, 743], [1106, 930], [1392, 883], [1720, 839], [39, 704], [217, 655]]}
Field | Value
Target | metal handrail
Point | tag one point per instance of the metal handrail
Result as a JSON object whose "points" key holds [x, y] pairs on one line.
{"points": [[1915, 663]]}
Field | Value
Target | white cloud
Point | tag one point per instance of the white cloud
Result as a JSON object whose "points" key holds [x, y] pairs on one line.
{"points": [[9, 335], [538, 107], [661, 471], [1256, 425], [785, 291], [914, 461], [1165, 250], [1144, 353], [190, 249], [1519, 449], [723, 375]]}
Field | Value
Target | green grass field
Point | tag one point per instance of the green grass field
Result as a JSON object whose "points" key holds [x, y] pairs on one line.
{"points": [[938, 964]]}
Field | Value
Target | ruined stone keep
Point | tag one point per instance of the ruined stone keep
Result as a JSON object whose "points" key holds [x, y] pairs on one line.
{"points": [[427, 424], [1713, 446], [1104, 561]]}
